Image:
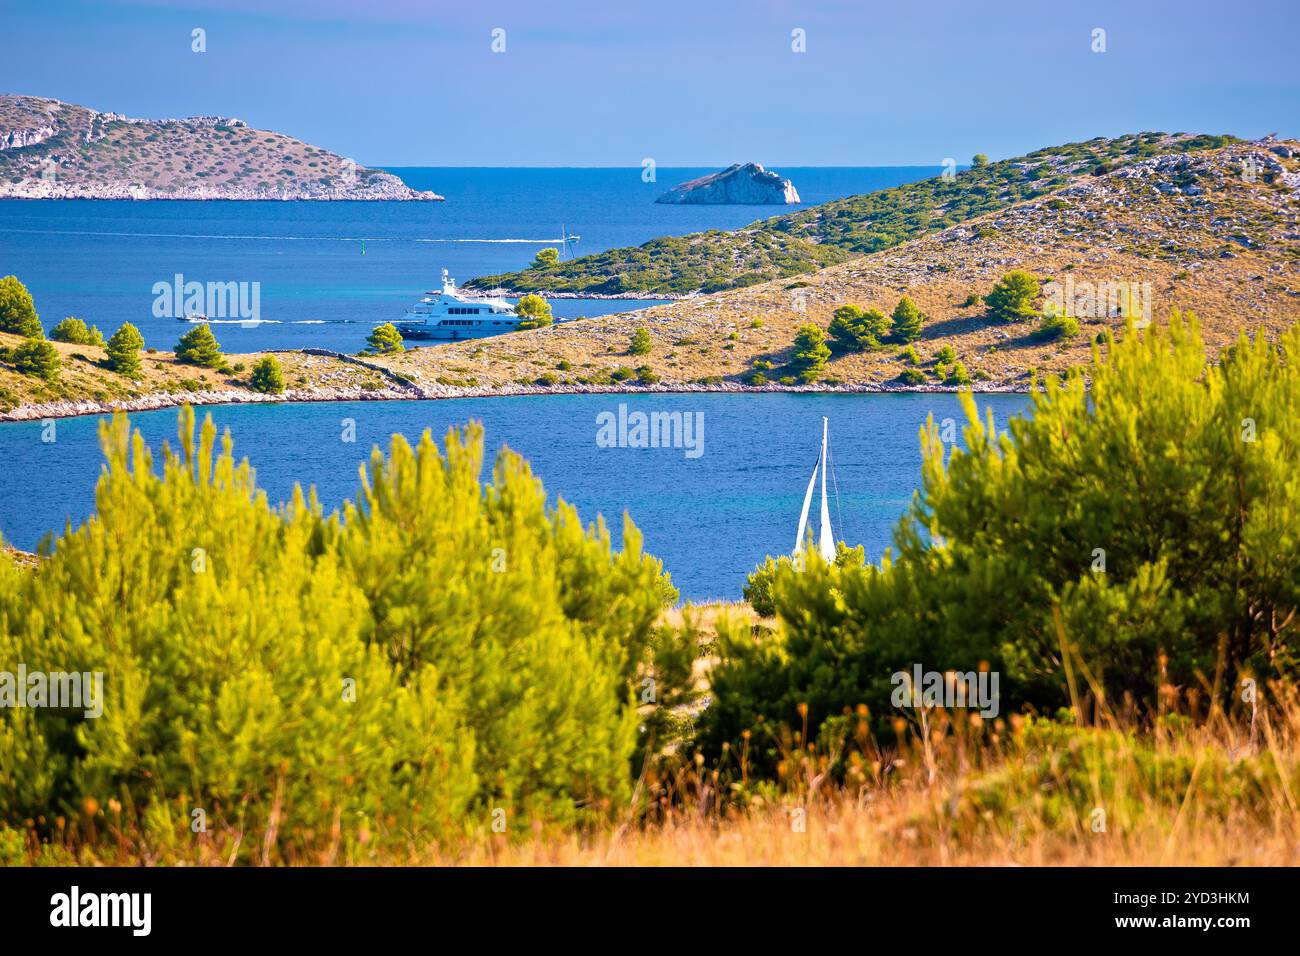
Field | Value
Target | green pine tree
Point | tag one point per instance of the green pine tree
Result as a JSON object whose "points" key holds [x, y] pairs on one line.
{"points": [[199, 346], [810, 352], [268, 376], [124, 350], [17, 310], [75, 332], [37, 357], [908, 320], [534, 311], [641, 342], [1012, 298], [384, 340]]}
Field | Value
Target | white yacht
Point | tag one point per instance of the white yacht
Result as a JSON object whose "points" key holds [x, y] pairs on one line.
{"points": [[448, 315]]}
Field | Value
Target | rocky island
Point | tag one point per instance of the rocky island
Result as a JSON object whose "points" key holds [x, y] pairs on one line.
{"points": [[55, 150], [747, 184]]}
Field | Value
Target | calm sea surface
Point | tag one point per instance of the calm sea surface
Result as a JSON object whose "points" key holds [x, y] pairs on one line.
{"points": [[710, 518], [330, 271]]}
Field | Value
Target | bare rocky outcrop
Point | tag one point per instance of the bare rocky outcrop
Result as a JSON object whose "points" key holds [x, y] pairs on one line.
{"points": [[747, 184]]}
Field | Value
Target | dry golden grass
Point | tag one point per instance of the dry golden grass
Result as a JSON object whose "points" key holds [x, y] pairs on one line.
{"points": [[1213, 791]]}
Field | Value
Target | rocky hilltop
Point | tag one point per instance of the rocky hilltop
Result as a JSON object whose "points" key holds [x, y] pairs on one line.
{"points": [[55, 150], [747, 184]]}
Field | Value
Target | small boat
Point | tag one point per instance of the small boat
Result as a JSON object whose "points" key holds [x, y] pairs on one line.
{"points": [[193, 317], [447, 315], [825, 539]]}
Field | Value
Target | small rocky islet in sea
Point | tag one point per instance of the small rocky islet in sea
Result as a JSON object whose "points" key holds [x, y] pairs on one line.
{"points": [[741, 184]]}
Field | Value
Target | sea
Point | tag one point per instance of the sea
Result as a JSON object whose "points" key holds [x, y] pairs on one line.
{"points": [[329, 271]]}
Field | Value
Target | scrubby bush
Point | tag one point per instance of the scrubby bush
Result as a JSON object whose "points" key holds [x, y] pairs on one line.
{"points": [[347, 685], [1150, 563], [268, 376], [912, 376], [546, 258], [641, 343], [906, 321], [37, 357], [758, 587], [958, 375], [646, 375], [75, 332], [810, 352], [910, 355], [854, 329], [1012, 297], [947, 354], [1058, 325]]}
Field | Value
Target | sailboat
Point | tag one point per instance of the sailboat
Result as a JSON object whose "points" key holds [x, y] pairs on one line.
{"points": [[825, 539]]}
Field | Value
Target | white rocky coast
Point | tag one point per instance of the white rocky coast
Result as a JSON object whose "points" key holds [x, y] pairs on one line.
{"points": [[747, 184]]}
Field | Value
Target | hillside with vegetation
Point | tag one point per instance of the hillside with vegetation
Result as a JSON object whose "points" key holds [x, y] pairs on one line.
{"points": [[55, 150], [834, 232], [1214, 232]]}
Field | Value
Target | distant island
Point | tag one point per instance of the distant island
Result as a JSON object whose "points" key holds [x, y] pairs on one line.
{"points": [[55, 150], [747, 184]]}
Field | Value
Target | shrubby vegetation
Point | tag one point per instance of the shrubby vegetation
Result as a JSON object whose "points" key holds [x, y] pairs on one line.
{"points": [[76, 332], [811, 352], [268, 376], [17, 310], [855, 329], [1135, 538], [199, 346], [440, 656], [641, 343], [36, 357], [384, 340], [907, 321], [534, 311], [1012, 298], [124, 350]]}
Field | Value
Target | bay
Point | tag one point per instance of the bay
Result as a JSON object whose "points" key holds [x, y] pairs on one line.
{"points": [[710, 518]]}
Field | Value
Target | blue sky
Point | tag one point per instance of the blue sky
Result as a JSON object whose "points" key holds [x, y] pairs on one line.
{"points": [[700, 83]]}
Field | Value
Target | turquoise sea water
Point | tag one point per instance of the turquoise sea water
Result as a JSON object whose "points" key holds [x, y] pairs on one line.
{"points": [[710, 518]]}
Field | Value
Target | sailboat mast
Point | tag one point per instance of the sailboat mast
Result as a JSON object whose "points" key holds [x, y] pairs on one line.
{"points": [[826, 544]]}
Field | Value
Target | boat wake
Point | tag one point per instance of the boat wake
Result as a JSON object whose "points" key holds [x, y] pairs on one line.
{"points": [[189, 235], [199, 320]]}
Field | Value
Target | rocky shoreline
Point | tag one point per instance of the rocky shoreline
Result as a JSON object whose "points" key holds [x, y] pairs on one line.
{"points": [[73, 408]]}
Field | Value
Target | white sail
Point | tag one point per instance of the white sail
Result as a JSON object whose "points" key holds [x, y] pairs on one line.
{"points": [[826, 540], [803, 515]]}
